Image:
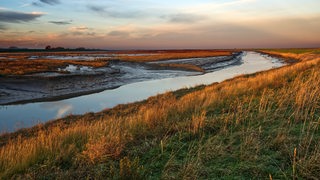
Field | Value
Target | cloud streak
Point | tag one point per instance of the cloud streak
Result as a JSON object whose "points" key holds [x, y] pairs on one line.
{"points": [[2, 27], [18, 17], [80, 31], [61, 22], [119, 33], [50, 2], [110, 12], [183, 18], [79, 28], [40, 3]]}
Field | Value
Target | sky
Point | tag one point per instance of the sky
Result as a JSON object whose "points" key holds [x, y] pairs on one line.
{"points": [[160, 24]]}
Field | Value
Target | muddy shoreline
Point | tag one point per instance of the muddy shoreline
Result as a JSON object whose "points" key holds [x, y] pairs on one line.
{"points": [[48, 86]]}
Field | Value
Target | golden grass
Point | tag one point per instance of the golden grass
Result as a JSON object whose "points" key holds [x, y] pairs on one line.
{"points": [[309, 55], [22, 67], [166, 55], [269, 119]]}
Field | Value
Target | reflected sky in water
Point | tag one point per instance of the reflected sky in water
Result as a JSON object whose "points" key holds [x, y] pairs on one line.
{"points": [[62, 108], [13, 117]]}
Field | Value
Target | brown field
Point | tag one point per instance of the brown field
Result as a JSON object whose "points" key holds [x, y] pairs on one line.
{"points": [[19, 64]]}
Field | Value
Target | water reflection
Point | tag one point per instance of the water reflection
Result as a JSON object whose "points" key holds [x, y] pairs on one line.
{"points": [[17, 116], [61, 108]]}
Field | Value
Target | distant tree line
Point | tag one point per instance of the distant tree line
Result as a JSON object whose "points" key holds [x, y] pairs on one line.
{"points": [[49, 48]]}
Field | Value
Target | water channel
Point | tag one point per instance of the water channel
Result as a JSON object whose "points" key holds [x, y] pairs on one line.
{"points": [[13, 117]]}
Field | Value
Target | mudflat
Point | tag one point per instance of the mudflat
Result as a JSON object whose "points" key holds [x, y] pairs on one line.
{"points": [[70, 78]]}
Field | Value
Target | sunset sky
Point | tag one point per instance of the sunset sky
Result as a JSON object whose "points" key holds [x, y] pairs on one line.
{"points": [[164, 24]]}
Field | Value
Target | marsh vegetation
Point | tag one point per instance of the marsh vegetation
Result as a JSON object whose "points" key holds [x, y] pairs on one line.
{"points": [[36, 62]]}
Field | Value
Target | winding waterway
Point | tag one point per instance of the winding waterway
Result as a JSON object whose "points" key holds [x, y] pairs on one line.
{"points": [[13, 117]]}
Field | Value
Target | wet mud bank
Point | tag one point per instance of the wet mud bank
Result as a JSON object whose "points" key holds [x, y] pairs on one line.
{"points": [[79, 81]]}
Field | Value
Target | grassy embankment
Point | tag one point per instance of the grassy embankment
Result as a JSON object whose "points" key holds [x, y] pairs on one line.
{"points": [[259, 126], [295, 51], [19, 64]]}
